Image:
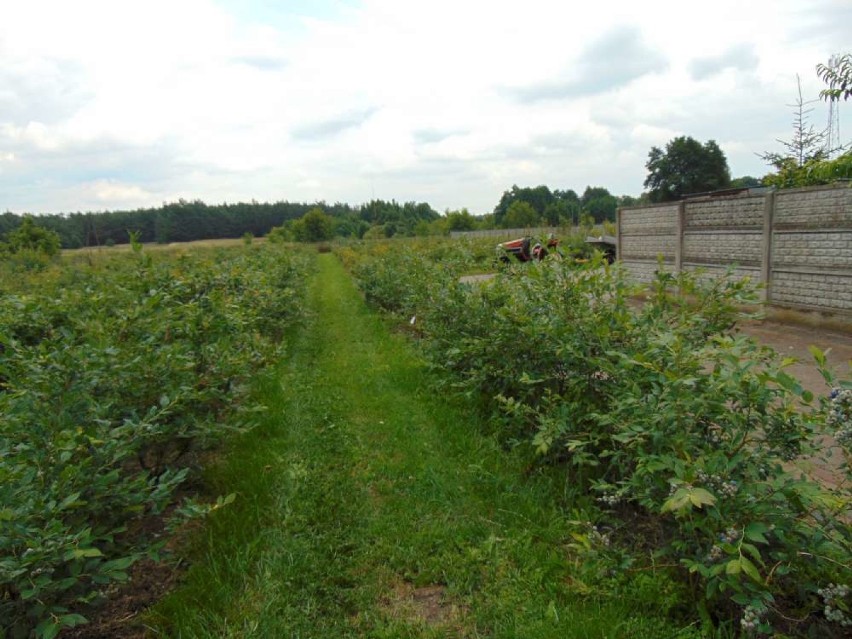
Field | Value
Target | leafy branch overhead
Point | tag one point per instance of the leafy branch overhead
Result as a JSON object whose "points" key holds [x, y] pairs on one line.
{"points": [[838, 76]]}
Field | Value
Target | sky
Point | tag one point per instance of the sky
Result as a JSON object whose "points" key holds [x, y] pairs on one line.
{"points": [[121, 104]]}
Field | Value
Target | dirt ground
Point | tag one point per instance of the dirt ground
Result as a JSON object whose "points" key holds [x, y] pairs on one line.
{"points": [[792, 339]]}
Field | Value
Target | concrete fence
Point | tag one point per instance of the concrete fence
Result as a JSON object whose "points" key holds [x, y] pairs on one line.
{"points": [[511, 234], [796, 242]]}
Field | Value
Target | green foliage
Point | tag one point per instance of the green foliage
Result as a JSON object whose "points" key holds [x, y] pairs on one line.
{"points": [[30, 237], [190, 220], [805, 147], [598, 203], [278, 235], [112, 378], [662, 415], [745, 182], [838, 77], [135, 244], [685, 167], [378, 491], [315, 226], [520, 215], [558, 207], [812, 173], [460, 220]]}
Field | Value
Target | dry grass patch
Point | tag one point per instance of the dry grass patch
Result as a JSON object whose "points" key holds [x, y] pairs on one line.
{"points": [[426, 605]]}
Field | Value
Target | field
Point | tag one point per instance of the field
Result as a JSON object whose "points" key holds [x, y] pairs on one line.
{"points": [[529, 457]]}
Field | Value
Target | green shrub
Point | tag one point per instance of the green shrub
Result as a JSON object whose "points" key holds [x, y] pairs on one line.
{"points": [[111, 382], [661, 414]]}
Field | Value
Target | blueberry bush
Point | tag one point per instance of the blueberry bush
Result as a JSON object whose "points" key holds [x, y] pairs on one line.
{"points": [[678, 435], [115, 373]]}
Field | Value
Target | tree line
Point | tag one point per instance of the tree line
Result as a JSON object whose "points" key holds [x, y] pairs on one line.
{"points": [[187, 221]]}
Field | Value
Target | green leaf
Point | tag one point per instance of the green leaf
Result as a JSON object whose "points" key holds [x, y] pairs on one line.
{"points": [[77, 553], [755, 532], [72, 620], [701, 497], [733, 567], [788, 382], [47, 629], [818, 355], [118, 564], [65, 584], [28, 593], [677, 502], [754, 552], [69, 500], [750, 569]]}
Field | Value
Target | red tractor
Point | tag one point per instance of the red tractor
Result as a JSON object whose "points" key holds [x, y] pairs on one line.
{"points": [[526, 248]]}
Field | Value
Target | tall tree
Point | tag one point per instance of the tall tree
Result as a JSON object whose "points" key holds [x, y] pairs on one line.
{"points": [[520, 214], [686, 166], [599, 203], [538, 198], [315, 226], [460, 220]]}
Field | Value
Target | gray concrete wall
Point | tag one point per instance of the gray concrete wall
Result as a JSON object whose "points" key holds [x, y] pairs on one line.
{"points": [[511, 234], [796, 242]]}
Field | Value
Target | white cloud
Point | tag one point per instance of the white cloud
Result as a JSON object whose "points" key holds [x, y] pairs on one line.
{"points": [[111, 194], [124, 104]]}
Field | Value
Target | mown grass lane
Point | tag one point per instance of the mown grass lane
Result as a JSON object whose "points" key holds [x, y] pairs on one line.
{"points": [[369, 506]]}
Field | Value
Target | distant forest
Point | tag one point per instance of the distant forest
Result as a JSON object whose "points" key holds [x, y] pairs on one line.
{"points": [[186, 221]]}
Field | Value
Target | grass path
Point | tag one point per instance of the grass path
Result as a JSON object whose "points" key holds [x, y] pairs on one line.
{"points": [[370, 507]]}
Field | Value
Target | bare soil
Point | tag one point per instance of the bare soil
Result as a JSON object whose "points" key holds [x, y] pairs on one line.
{"points": [[793, 340], [118, 618]]}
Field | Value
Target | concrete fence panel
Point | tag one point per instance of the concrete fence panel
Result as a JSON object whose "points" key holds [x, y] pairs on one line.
{"points": [[797, 242]]}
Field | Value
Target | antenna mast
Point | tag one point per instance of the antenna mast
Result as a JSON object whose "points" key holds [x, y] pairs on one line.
{"points": [[832, 139]]}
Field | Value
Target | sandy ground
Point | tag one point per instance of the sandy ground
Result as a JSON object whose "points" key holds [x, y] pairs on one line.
{"points": [[793, 340]]}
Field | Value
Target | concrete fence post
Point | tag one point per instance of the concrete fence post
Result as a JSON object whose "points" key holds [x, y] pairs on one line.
{"points": [[680, 223], [766, 241], [618, 213]]}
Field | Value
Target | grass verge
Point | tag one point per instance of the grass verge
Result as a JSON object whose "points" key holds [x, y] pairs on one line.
{"points": [[369, 507]]}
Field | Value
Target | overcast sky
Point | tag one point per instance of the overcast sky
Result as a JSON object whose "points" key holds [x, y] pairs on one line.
{"points": [[118, 104]]}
